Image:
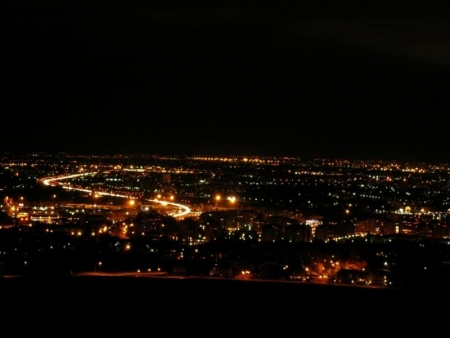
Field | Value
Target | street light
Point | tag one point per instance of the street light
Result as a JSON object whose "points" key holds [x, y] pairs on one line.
{"points": [[217, 200]]}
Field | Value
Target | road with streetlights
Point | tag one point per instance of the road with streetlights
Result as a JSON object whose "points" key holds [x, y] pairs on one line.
{"points": [[181, 210]]}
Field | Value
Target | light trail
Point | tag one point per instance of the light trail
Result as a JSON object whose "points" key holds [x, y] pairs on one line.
{"points": [[47, 181], [185, 210]]}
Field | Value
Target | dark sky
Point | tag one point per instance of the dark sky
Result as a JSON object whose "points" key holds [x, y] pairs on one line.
{"points": [[321, 78]]}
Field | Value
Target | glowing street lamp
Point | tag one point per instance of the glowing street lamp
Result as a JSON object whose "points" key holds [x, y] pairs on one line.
{"points": [[217, 200]]}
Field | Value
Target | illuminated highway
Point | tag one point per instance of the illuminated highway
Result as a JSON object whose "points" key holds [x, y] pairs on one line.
{"points": [[183, 210]]}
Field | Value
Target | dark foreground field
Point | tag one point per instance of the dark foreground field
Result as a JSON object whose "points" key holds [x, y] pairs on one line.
{"points": [[149, 306], [98, 292]]}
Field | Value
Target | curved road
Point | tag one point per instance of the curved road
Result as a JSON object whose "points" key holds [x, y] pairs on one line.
{"points": [[185, 210]]}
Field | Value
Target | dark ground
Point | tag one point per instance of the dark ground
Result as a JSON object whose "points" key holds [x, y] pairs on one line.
{"points": [[152, 306], [169, 292]]}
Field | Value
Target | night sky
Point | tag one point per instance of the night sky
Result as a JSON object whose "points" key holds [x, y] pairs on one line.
{"points": [[310, 79]]}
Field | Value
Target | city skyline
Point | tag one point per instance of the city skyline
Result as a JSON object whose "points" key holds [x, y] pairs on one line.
{"points": [[377, 197], [307, 80], [380, 225]]}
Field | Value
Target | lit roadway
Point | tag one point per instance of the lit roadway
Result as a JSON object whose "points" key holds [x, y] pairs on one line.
{"points": [[48, 181], [165, 274]]}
